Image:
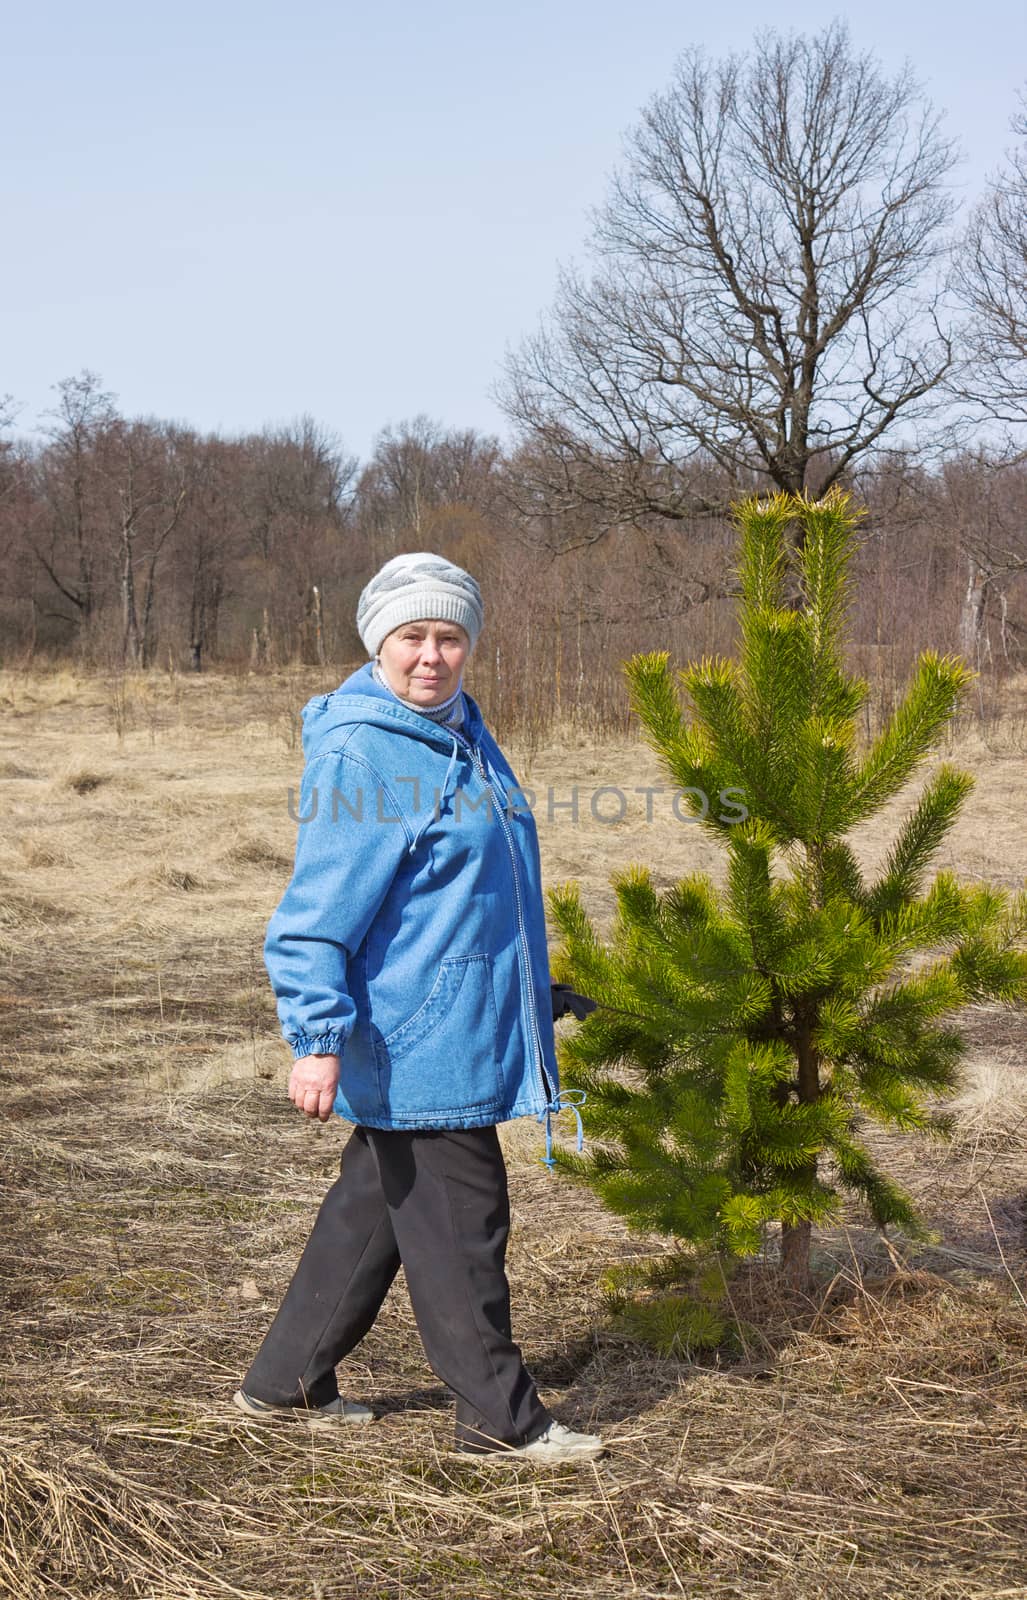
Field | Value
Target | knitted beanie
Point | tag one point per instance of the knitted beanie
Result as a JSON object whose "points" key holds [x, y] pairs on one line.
{"points": [[419, 587]]}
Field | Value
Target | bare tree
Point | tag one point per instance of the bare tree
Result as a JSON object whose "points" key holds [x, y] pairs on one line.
{"points": [[764, 299], [984, 508], [299, 480], [208, 551], [991, 273], [296, 493], [68, 539], [10, 475], [151, 470], [426, 484]]}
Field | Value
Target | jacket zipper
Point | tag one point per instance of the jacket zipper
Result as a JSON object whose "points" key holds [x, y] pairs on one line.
{"points": [[537, 1038]]}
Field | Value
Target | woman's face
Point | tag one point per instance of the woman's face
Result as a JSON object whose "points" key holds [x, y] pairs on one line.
{"points": [[423, 660]]}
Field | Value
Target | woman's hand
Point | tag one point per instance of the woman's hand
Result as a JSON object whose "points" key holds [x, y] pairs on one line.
{"points": [[313, 1084]]}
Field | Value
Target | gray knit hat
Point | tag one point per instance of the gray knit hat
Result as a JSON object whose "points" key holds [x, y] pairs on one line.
{"points": [[420, 587]]}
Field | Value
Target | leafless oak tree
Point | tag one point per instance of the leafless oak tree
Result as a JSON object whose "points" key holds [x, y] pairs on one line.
{"points": [[991, 273], [764, 300]]}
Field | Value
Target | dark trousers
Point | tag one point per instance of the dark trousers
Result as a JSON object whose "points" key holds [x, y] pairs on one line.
{"points": [[437, 1204]]}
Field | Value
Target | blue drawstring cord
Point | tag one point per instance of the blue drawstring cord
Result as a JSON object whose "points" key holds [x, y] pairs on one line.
{"points": [[438, 809], [566, 1100]]}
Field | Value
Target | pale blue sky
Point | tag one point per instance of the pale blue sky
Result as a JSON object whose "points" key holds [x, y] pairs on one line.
{"points": [[236, 213]]}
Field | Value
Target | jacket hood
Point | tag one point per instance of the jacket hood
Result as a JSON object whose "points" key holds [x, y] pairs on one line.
{"points": [[361, 699]]}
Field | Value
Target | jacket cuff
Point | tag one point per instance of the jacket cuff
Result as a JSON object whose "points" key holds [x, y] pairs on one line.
{"points": [[326, 1044]]}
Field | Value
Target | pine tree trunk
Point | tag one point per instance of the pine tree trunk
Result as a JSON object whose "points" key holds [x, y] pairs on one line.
{"points": [[795, 1253], [797, 1238]]}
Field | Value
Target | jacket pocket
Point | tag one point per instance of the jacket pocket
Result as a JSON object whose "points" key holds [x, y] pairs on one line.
{"points": [[444, 1058]]}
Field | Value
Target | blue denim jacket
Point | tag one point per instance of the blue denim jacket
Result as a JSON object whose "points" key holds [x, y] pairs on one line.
{"points": [[411, 939]]}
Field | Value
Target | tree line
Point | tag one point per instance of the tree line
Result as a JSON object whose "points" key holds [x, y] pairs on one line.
{"points": [[780, 294]]}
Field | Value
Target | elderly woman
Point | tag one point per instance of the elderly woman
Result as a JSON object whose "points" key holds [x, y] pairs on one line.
{"points": [[409, 960]]}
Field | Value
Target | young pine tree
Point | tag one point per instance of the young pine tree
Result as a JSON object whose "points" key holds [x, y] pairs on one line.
{"points": [[744, 1036]]}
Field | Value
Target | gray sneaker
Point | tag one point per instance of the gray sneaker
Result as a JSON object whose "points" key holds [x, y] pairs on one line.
{"points": [[336, 1411], [557, 1443]]}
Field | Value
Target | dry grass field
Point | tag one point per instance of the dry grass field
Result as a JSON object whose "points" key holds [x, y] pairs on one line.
{"points": [[157, 1184]]}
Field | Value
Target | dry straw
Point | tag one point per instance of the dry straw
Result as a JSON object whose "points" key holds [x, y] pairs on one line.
{"points": [[156, 1187]]}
